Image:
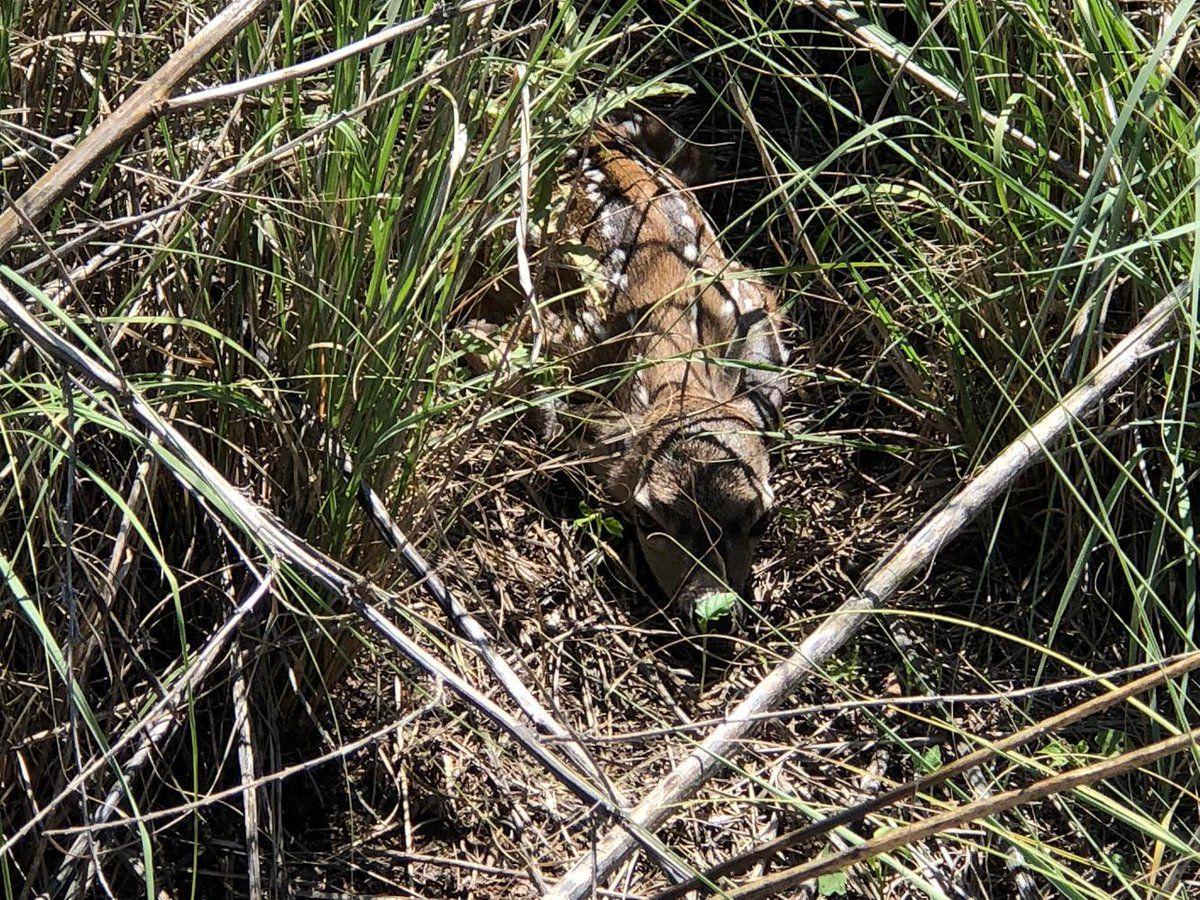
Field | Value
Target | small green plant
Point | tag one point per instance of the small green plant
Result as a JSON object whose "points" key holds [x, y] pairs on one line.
{"points": [[832, 885], [597, 523], [713, 607]]}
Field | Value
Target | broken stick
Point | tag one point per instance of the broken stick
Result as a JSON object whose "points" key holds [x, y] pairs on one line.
{"points": [[911, 555]]}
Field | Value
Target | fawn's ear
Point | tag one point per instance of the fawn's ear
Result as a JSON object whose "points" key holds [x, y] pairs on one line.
{"points": [[661, 142], [762, 384], [643, 498]]}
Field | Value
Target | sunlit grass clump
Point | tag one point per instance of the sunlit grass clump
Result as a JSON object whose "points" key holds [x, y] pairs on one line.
{"points": [[964, 205]]}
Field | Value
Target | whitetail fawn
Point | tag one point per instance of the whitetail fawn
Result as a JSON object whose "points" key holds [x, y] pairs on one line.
{"points": [[686, 351]]}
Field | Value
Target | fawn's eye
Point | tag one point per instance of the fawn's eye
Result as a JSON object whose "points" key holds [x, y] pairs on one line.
{"points": [[643, 521]]}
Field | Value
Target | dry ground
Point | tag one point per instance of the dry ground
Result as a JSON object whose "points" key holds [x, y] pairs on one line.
{"points": [[440, 809]]}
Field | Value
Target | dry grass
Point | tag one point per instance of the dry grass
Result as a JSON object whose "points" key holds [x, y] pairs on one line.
{"points": [[953, 287]]}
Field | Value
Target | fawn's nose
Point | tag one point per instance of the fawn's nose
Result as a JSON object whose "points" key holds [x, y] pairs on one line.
{"points": [[706, 601]]}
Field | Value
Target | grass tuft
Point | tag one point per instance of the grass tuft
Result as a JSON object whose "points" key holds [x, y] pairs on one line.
{"points": [[964, 204]]}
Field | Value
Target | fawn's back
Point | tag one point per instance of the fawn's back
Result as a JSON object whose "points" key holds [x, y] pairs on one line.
{"points": [[675, 352]]}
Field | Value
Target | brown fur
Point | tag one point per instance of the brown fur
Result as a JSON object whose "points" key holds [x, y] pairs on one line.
{"points": [[685, 347]]}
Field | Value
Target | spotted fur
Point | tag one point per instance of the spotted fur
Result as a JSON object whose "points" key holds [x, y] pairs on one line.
{"points": [[687, 344]]}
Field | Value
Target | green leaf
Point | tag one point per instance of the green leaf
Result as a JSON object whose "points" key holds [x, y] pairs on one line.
{"points": [[831, 884], [713, 606], [595, 521], [930, 759]]}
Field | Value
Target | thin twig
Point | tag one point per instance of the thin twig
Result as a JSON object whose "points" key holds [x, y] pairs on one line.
{"points": [[127, 119], [524, 275], [770, 885], [911, 555], [244, 729], [324, 61], [860, 811]]}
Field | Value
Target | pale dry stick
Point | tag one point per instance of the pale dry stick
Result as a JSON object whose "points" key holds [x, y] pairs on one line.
{"points": [[964, 764], [319, 569], [142, 107], [524, 275], [912, 554], [845, 17], [441, 13], [158, 723], [13, 158], [771, 885], [245, 752], [827, 709]]}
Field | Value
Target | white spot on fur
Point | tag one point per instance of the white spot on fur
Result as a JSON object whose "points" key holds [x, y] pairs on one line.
{"points": [[672, 205], [641, 393], [687, 222], [578, 333], [594, 193], [595, 176], [595, 326], [617, 257], [572, 154], [690, 252], [730, 309]]}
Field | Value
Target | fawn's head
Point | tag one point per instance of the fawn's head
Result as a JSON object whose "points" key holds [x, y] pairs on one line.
{"points": [[700, 502]]}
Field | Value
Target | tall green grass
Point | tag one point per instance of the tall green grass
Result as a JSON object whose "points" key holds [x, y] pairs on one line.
{"points": [[968, 281], [992, 280], [374, 197]]}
